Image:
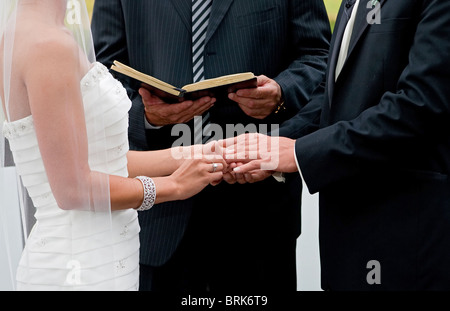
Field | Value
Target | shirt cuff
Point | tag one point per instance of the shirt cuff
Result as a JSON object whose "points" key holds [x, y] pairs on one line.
{"points": [[148, 126], [279, 176], [298, 167]]}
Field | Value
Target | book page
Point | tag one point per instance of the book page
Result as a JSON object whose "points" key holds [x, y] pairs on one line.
{"points": [[223, 80]]}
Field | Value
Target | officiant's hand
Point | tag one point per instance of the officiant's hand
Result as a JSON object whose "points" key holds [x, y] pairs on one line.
{"points": [[160, 113], [259, 102]]}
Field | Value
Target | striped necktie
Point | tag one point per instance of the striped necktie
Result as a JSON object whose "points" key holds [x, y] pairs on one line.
{"points": [[201, 10]]}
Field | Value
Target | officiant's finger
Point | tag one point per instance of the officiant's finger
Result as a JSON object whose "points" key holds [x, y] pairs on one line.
{"points": [[249, 103], [187, 110], [148, 98], [203, 104], [199, 111], [144, 92], [181, 108], [254, 93], [259, 92], [257, 108]]}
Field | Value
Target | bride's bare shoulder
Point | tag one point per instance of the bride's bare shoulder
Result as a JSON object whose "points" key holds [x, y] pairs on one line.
{"points": [[53, 51], [53, 42]]}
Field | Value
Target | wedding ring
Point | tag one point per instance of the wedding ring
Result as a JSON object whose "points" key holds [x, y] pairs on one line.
{"points": [[215, 165]]}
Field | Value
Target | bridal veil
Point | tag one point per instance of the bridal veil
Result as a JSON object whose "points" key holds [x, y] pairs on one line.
{"points": [[91, 212]]}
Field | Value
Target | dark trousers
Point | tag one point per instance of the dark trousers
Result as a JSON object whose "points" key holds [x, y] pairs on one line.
{"points": [[229, 262]]}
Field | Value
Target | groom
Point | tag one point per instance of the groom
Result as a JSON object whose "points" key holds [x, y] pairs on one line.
{"points": [[381, 158]]}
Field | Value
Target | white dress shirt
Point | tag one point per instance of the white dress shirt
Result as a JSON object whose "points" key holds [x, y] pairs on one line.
{"points": [[342, 56]]}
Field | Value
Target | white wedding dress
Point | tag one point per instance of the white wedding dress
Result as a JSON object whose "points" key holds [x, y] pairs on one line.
{"points": [[58, 248]]}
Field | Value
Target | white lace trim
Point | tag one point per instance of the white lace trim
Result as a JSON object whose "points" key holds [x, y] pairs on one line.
{"points": [[24, 126], [97, 73], [18, 128]]}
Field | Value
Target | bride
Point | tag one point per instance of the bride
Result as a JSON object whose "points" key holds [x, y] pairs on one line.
{"points": [[66, 123]]}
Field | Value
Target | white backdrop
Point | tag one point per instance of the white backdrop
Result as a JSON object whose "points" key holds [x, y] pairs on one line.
{"points": [[308, 262], [9, 219]]}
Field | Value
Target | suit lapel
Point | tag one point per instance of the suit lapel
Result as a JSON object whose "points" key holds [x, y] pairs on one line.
{"points": [[218, 11], [184, 10], [334, 51], [361, 24]]}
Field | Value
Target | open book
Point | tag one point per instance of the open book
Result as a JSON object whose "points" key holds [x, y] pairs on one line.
{"points": [[217, 87]]}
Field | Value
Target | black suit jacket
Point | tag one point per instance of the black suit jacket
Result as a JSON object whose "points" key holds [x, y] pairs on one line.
{"points": [[284, 40], [381, 158]]}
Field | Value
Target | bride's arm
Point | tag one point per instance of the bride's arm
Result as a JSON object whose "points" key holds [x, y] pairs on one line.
{"points": [[153, 163], [51, 75], [52, 79]]}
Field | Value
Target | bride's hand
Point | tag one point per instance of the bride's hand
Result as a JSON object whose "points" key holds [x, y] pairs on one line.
{"points": [[195, 174]]}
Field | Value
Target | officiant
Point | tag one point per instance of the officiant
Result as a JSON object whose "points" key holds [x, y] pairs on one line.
{"points": [[239, 235]]}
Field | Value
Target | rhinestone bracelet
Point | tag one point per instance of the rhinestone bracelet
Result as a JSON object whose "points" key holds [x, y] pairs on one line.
{"points": [[149, 193]]}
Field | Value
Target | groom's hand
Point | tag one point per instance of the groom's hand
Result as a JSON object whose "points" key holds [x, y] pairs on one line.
{"points": [[160, 113], [260, 152], [231, 177]]}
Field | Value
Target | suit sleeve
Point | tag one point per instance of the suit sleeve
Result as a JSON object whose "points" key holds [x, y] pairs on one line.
{"points": [[309, 34], [110, 41], [396, 129], [307, 120]]}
